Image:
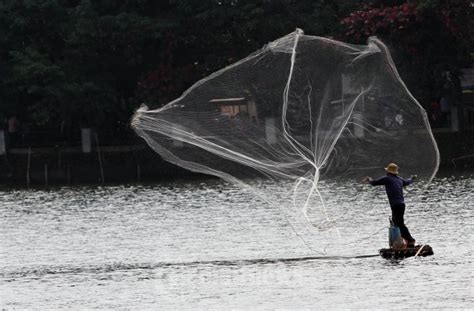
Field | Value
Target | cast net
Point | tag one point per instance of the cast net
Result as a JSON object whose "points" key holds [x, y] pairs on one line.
{"points": [[301, 109]]}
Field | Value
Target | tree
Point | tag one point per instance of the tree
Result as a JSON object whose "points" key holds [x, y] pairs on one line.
{"points": [[212, 34], [428, 38], [72, 63]]}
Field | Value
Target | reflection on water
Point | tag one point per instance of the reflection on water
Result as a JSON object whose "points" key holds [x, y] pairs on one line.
{"points": [[209, 244]]}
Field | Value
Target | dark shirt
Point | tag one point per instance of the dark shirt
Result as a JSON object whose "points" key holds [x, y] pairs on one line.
{"points": [[393, 186]]}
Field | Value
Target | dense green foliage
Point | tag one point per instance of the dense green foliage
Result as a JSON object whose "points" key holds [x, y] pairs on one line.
{"points": [[71, 63], [430, 41]]}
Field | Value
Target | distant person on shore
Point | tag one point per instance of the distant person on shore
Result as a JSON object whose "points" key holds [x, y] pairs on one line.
{"points": [[394, 188]]}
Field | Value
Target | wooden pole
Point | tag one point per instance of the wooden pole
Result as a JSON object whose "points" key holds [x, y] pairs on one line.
{"points": [[100, 158], [28, 167], [46, 174]]}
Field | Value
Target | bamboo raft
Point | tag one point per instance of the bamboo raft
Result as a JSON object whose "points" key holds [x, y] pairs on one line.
{"points": [[400, 253]]}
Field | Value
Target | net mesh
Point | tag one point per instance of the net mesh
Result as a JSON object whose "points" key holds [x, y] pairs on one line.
{"points": [[301, 109]]}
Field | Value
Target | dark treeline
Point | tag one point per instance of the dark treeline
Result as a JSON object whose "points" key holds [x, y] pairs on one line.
{"points": [[66, 64]]}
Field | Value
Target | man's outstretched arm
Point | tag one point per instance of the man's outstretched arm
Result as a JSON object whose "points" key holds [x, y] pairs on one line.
{"points": [[409, 181], [375, 182]]}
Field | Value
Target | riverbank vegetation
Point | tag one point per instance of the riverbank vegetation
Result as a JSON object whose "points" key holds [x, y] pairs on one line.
{"points": [[66, 64]]}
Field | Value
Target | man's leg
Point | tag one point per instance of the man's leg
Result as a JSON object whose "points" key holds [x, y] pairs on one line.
{"points": [[397, 216]]}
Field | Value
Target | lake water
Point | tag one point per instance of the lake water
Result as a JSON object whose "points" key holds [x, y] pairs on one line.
{"points": [[207, 244]]}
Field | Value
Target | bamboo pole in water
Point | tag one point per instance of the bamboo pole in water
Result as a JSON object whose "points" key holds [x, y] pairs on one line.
{"points": [[100, 158]]}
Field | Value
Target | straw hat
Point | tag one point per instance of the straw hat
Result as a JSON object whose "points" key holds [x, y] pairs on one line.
{"points": [[392, 168]]}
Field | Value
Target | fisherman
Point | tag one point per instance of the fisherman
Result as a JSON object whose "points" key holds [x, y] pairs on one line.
{"points": [[394, 188]]}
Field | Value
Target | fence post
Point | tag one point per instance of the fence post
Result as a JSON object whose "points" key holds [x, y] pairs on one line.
{"points": [[357, 118], [100, 158], [28, 165], [86, 140], [270, 130], [3, 145]]}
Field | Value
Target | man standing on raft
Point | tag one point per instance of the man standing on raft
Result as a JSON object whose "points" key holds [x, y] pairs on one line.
{"points": [[394, 188]]}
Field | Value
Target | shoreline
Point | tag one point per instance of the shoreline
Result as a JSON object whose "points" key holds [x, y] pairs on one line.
{"points": [[23, 167]]}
